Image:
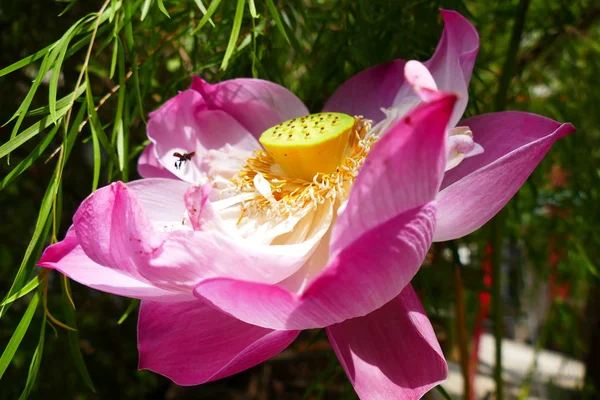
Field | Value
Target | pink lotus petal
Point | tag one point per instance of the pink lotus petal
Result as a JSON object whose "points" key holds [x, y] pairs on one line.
{"points": [[384, 86], [186, 124], [192, 343], [418, 76], [474, 191], [161, 199], [255, 104], [198, 205], [68, 258], [391, 353], [150, 167], [369, 91], [361, 278], [403, 170], [187, 257], [452, 63], [115, 230]]}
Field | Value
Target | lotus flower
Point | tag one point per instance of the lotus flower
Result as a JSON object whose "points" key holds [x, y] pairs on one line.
{"points": [[234, 249]]}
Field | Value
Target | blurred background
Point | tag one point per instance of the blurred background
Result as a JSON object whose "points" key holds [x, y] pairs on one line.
{"points": [[526, 286]]}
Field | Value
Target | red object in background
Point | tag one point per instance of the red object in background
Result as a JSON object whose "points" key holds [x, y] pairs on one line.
{"points": [[485, 298], [559, 288]]}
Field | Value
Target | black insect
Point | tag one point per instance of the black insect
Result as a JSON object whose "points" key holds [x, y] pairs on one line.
{"points": [[182, 158]]}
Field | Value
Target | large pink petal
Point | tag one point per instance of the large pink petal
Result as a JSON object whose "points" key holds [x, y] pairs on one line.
{"points": [[474, 191], [68, 258], [161, 199], [369, 91], [193, 343], [391, 353], [186, 124], [403, 170], [254, 103], [121, 228], [454, 58], [150, 167], [114, 230], [360, 279], [384, 86]]}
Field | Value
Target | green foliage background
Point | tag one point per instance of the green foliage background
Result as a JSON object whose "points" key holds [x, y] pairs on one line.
{"points": [[58, 146]]}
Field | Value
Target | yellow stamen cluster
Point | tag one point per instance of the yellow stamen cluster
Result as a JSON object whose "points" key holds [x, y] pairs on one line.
{"points": [[291, 194]]}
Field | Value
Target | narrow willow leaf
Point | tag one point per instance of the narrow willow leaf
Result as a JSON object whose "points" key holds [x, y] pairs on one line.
{"points": [[209, 13], [18, 334], [27, 161], [118, 129], [133, 305], [203, 10], [162, 8], [145, 9], [133, 57], [97, 157], [24, 106], [36, 243], [113, 9], [32, 254], [35, 282], [73, 336], [113, 61], [277, 19], [36, 360], [26, 61], [29, 133], [252, 8], [64, 102], [96, 127], [94, 124], [67, 8], [43, 224], [61, 48], [235, 32]]}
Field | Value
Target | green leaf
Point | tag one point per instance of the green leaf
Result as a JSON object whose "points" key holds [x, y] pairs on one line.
{"points": [[35, 282], [61, 48], [95, 127], [209, 13], [133, 305], [118, 129], [73, 336], [26, 60], [18, 334], [277, 19], [133, 57], [162, 8], [24, 106], [64, 102], [32, 254], [235, 32], [203, 10], [36, 360], [113, 61], [252, 8], [43, 224], [145, 9], [27, 161], [29, 133]]}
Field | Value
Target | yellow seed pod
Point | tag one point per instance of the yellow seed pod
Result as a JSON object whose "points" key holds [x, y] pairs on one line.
{"points": [[309, 145]]}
